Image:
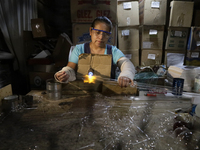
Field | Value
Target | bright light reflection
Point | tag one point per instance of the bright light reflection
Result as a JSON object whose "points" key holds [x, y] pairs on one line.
{"points": [[89, 78], [137, 98]]}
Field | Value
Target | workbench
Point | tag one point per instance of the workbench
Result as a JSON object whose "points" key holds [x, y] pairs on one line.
{"points": [[83, 120]]}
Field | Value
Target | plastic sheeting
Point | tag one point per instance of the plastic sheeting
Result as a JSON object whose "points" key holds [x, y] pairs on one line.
{"points": [[97, 122]]}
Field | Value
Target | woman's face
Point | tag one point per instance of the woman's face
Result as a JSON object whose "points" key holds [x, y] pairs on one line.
{"points": [[100, 38]]}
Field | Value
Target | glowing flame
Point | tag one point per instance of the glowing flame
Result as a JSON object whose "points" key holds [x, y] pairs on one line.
{"points": [[89, 79]]}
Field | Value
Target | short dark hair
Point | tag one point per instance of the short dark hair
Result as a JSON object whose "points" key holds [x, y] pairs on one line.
{"points": [[103, 19]]}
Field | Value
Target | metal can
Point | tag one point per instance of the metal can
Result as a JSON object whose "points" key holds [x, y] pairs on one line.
{"points": [[10, 104], [54, 89]]}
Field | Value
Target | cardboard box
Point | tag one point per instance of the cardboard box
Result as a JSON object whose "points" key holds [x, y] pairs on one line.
{"points": [[40, 61], [173, 57], [181, 13], [128, 38], [192, 58], [62, 50], [59, 56], [177, 38], [43, 68], [38, 79], [128, 13], [5, 91], [83, 11], [151, 57], [194, 39], [153, 12], [152, 37], [100, 63], [133, 55], [38, 28], [81, 34]]}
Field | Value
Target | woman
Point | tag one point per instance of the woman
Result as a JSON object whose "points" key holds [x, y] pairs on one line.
{"points": [[100, 31]]}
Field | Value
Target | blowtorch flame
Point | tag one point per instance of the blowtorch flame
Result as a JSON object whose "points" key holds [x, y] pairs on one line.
{"points": [[89, 78]]}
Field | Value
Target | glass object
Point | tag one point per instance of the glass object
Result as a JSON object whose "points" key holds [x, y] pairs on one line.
{"points": [[197, 83], [177, 87]]}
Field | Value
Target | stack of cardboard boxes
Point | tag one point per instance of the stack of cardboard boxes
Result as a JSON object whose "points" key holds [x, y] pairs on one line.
{"points": [[193, 47], [128, 29], [181, 14], [152, 21], [84, 12], [148, 32]]}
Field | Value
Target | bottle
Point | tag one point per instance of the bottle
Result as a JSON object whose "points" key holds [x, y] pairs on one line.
{"points": [[197, 83]]}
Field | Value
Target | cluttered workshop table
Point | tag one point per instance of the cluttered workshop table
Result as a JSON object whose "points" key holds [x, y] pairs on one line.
{"points": [[85, 119]]}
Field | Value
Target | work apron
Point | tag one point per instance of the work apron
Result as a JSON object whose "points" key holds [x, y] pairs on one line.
{"points": [[109, 51]]}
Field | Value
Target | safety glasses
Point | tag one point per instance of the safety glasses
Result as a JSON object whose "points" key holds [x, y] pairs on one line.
{"points": [[98, 32]]}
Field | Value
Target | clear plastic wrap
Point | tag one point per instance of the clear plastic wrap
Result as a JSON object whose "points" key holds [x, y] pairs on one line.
{"points": [[99, 122]]}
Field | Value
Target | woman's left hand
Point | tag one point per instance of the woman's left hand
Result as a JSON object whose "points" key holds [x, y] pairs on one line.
{"points": [[124, 81]]}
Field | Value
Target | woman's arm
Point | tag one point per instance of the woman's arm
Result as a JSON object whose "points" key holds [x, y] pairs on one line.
{"points": [[127, 72], [67, 73]]}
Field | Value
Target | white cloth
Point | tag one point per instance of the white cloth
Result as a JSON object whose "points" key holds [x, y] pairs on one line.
{"points": [[70, 72], [127, 68]]}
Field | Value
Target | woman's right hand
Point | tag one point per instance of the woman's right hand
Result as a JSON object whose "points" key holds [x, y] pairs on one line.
{"points": [[62, 76]]}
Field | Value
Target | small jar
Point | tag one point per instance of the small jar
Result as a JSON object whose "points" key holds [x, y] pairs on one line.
{"points": [[197, 83]]}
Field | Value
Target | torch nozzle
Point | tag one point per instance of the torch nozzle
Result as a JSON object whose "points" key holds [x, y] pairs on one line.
{"points": [[90, 72]]}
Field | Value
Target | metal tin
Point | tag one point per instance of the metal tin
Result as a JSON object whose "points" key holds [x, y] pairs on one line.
{"points": [[54, 89], [177, 87], [10, 104]]}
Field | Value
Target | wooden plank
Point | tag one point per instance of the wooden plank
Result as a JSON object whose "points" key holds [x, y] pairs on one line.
{"points": [[79, 85], [113, 88], [104, 87]]}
